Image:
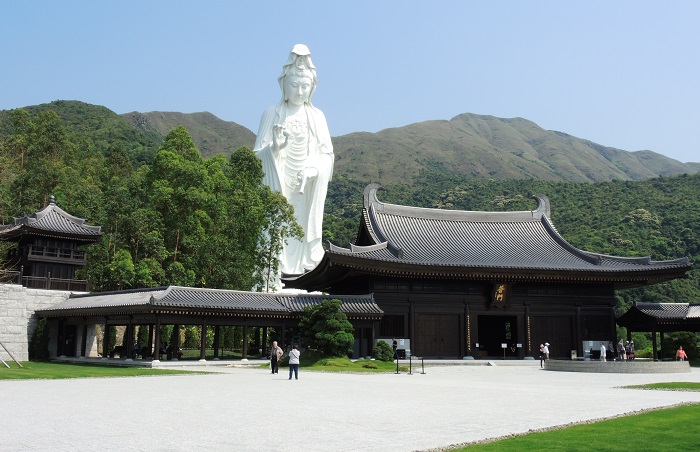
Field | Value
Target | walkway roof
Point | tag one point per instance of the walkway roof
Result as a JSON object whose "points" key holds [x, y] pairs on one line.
{"points": [[665, 317], [208, 302]]}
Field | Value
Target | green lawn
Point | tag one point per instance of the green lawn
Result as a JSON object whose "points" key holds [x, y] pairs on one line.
{"points": [[671, 429], [312, 360], [677, 386], [42, 370]]}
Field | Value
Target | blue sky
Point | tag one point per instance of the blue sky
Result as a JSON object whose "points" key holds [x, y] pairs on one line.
{"points": [[623, 73]]}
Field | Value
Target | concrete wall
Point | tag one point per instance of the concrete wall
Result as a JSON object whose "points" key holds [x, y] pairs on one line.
{"points": [[17, 318]]}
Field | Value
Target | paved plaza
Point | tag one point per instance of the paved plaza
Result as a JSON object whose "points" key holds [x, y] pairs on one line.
{"points": [[248, 409]]}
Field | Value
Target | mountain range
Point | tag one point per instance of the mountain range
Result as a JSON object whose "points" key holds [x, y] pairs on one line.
{"points": [[467, 145], [470, 145]]}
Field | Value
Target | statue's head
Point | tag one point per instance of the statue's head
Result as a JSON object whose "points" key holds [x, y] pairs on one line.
{"points": [[299, 70]]}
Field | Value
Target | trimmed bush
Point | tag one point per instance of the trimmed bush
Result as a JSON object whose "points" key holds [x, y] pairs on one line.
{"points": [[383, 351]]}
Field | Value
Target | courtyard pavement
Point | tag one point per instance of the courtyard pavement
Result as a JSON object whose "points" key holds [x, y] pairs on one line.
{"points": [[248, 409]]}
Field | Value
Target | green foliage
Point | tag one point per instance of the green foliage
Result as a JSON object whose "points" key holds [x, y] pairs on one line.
{"points": [[326, 328], [383, 351], [192, 336], [142, 335], [179, 215], [172, 221], [39, 343], [689, 341]]}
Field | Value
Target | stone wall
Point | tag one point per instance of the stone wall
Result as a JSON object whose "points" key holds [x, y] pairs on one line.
{"points": [[636, 366], [17, 318]]}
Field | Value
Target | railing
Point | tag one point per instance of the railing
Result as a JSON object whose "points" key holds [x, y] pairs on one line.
{"points": [[35, 282], [10, 277], [56, 253], [48, 283]]}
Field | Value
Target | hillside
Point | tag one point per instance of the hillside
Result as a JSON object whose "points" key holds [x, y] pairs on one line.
{"points": [[98, 125], [489, 147], [212, 135]]}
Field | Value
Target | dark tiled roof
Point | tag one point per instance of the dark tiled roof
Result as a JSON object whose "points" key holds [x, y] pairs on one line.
{"points": [[664, 310], [403, 241], [126, 298], [51, 221], [195, 298], [662, 316], [176, 298], [351, 305], [525, 240]]}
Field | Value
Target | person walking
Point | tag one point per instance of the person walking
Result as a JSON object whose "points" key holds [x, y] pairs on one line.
{"points": [[680, 354], [294, 355], [603, 351], [275, 354], [542, 358]]}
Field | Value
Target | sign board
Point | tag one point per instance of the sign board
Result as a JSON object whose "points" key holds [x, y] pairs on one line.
{"points": [[504, 345]]}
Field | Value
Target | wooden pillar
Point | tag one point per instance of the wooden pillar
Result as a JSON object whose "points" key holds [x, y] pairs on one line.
{"points": [[661, 351], [613, 325], [266, 342], [466, 345], [128, 339], [83, 342], [284, 334], [653, 342], [256, 344], [528, 331], [202, 342], [60, 343], [217, 340], [577, 335], [105, 341], [411, 328], [175, 343], [245, 340], [149, 346], [156, 341]]}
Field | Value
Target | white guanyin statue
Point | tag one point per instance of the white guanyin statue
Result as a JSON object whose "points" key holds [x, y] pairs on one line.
{"points": [[295, 147]]}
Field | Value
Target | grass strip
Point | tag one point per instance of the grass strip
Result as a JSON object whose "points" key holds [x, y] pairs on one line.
{"points": [[671, 386], [52, 371], [669, 429]]}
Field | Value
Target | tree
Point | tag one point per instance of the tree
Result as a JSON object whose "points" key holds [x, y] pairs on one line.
{"points": [[326, 328], [39, 345]]}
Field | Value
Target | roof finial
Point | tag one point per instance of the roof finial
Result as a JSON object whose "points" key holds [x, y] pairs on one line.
{"points": [[52, 200]]}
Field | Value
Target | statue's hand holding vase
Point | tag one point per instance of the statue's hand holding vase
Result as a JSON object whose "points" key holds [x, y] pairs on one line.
{"points": [[305, 175]]}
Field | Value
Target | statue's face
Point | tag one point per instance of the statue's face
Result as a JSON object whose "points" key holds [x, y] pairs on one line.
{"points": [[298, 89]]}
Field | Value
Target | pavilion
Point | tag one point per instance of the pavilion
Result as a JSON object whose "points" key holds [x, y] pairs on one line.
{"points": [[660, 318], [49, 248]]}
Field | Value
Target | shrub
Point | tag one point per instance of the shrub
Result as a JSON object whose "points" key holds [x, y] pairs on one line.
{"points": [[644, 353], [370, 365], [383, 351], [39, 346], [326, 328]]}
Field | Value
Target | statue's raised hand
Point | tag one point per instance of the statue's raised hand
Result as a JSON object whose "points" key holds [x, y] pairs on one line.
{"points": [[280, 137]]}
